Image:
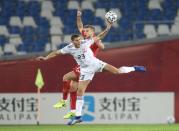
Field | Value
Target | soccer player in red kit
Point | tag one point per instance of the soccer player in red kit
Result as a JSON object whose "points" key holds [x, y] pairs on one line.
{"points": [[86, 31]]}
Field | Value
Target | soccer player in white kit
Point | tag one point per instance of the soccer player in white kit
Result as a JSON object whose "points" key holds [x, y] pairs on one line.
{"points": [[89, 65]]}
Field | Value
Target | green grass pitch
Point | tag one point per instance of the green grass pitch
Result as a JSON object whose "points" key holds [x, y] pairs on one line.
{"points": [[174, 127]]}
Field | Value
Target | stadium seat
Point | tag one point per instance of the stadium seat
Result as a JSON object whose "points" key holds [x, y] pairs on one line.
{"points": [[100, 12], [15, 21], [149, 31], [53, 47], [54, 30], [56, 40], [67, 38], [175, 29], [98, 29], [46, 14], [163, 29], [1, 51], [56, 21], [4, 30], [87, 5], [176, 19], [29, 21], [15, 40], [9, 49], [48, 47], [154, 4], [178, 11], [47, 5], [72, 4]]}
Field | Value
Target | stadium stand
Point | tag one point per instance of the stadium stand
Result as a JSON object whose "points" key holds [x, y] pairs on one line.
{"points": [[32, 25]]}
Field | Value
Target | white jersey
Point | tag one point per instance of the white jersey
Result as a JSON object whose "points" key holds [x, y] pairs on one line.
{"points": [[83, 55]]}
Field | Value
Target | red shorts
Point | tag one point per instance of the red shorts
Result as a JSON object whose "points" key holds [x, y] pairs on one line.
{"points": [[76, 70]]}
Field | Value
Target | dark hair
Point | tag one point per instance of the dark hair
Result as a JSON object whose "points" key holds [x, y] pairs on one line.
{"points": [[74, 36], [90, 26]]}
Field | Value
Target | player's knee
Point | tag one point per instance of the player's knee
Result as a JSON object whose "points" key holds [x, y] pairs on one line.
{"points": [[80, 91], [65, 77], [115, 72]]}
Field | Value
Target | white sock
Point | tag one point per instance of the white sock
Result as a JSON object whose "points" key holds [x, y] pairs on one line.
{"points": [[73, 111], [126, 69], [79, 105], [65, 100]]}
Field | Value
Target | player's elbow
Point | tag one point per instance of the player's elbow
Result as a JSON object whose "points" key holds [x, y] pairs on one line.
{"points": [[101, 46]]}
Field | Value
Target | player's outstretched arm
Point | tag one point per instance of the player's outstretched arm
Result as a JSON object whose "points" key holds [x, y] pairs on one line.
{"points": [[79, 21], [105, 31], [51, 55]]}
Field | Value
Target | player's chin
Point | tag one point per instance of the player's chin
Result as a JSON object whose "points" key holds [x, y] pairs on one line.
{"points": [[86, 36], [78, 45]]}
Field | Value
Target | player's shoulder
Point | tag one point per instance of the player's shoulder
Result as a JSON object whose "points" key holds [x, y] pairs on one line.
{"points": [[69, 46]]}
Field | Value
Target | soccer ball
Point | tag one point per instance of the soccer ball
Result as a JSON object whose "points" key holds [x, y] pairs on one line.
{"points": [[170, 120], [111, 16]]}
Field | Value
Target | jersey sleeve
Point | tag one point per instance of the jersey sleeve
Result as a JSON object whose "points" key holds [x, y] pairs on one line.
{"points": [[65, 50]]}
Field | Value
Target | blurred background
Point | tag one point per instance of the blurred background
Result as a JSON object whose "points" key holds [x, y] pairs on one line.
{"points": [[146, 33]]}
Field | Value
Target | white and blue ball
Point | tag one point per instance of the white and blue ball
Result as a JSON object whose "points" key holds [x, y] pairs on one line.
{"points": [[111, 16]]}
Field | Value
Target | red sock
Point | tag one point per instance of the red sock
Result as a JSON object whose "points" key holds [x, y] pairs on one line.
{"points": [[66, 87], [73, 100]]}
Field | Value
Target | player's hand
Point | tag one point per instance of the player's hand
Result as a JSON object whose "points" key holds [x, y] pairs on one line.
{"points": [[79, 13], [108, 24], [40, 58]]}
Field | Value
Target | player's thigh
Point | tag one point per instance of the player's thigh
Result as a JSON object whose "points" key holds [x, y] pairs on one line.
{"points": [[110, 69], [70, 76], [82, 85]]}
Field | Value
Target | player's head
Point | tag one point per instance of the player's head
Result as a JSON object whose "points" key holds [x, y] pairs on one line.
{"points": [[88, 31], [76, 40]]}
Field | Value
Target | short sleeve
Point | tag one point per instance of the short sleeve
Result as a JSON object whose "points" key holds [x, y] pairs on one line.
{"points": [[65, 50]]}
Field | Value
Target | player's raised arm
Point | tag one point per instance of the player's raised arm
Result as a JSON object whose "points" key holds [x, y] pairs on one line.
{"points": [[106, 30], [79, 21], [50, 55]]}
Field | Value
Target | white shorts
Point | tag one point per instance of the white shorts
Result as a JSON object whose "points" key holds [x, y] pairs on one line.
{"points": [[87, 73]]}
